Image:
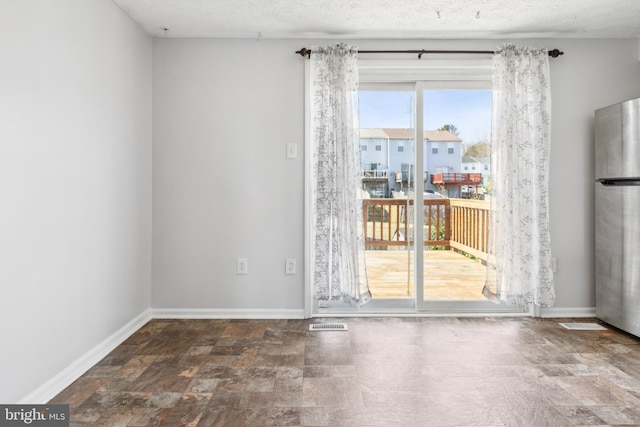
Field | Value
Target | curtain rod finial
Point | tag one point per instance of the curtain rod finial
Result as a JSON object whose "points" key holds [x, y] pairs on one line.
{"points": [[555, 53], [304, 52]]}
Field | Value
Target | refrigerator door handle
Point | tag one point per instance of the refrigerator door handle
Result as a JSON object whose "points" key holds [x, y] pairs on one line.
{"points": [[609, 182]]}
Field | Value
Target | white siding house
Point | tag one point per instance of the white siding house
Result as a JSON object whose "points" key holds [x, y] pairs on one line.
{"points": [[477, 165], [389, 153]]}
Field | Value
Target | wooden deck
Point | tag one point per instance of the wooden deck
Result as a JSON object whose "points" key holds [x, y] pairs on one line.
{"points": [[448, 275]]}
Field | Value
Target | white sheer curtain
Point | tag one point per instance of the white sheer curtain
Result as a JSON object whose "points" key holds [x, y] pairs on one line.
{"points": [[336, 203], [520, 248]]}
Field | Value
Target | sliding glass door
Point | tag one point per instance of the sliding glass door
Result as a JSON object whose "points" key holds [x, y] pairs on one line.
{"points": [[388, 176], [425, 185], [456, 158], [426, 204]]}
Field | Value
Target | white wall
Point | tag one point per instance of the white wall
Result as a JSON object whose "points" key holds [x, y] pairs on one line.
{"points": [[223, 112], [75, 183], [591, 75]]}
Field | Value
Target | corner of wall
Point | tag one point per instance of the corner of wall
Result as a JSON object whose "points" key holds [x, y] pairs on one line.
{"points": [[75, 370]]}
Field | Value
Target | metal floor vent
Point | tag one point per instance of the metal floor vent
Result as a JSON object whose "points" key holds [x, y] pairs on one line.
{"points": [[328, 327], [584, 326]]}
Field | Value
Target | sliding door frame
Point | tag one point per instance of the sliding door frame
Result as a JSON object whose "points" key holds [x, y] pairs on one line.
{"points": [[421, 75]]}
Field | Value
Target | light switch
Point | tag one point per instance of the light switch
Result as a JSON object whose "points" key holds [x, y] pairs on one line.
{"points": [[242, 266], [292, 150]]}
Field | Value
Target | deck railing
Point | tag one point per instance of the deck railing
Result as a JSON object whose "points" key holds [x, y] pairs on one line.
{"points": [[456, 178], [470, 227], [373, 173], [450, 223]]}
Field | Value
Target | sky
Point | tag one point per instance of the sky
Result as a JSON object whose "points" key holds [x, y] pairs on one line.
{"points": [[468, 110]]}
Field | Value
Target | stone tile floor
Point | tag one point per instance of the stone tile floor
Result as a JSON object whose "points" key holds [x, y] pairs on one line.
{"points": [[381, 372]]}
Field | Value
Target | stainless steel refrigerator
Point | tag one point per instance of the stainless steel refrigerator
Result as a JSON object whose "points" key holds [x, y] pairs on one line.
{"points": [[617, 215]]}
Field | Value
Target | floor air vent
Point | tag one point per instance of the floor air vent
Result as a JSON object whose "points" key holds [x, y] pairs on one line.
{"points": [[583, 326], [328, 327]]}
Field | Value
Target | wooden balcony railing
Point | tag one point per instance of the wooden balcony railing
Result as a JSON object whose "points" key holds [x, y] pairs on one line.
{"points": [[390, 222], [373, 173], [452, 223], [470, 227], [456, 178]]}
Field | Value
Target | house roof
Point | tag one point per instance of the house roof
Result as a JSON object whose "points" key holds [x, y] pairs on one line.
{"points": [[373, 133], [400, 133], [482, 160]]}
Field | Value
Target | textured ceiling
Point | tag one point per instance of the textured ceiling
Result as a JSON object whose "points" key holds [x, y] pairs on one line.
{"points": [[381, 19]]}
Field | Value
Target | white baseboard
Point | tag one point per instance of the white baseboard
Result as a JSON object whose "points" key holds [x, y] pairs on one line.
{"points": [[59, 382], [74, 371], [238, 313], [206, 313], [568, 312]]}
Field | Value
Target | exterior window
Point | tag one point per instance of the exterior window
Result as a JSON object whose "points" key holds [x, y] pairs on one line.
{"points": [[400, 147], [466, 168], [363, 147], [378, 147], [450, 148], [434, 148]]}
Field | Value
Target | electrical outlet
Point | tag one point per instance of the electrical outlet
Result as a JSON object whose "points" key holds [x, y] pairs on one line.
{"points": [[290, 266], [242, 266]]}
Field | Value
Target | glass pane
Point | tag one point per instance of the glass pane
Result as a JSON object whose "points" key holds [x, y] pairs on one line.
{"points": [[387, 170], [457, 127]]}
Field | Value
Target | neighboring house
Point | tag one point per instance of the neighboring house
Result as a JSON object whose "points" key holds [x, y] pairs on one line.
{"points": [[386, 157], [374, 161], [477, 165]]}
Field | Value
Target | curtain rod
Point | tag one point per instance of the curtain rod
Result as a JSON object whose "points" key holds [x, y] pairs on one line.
{"points": [[306, 52]]}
